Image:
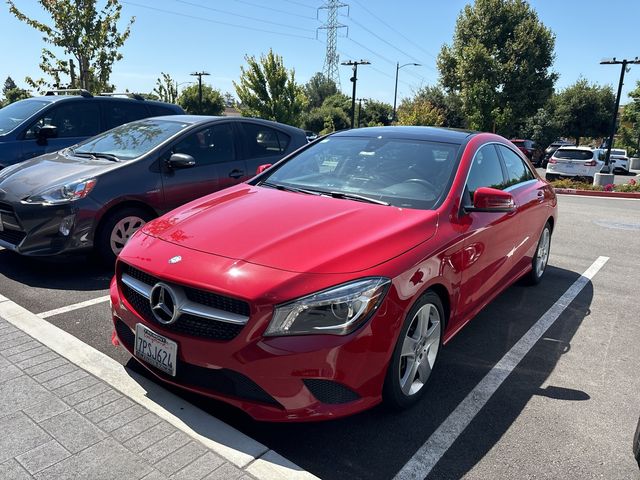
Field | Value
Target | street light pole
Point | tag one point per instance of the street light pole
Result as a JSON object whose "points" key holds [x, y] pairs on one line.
{"points": [[199, 75], [354, 79], [395, 92], [623, 63]]}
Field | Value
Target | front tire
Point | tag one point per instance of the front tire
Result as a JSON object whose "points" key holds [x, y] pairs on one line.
{"points": [[415, 353], [541, 257], [115, 231]]}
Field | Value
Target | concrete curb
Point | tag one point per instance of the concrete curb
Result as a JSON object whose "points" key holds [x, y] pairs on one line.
{"points": [[596, 193]]}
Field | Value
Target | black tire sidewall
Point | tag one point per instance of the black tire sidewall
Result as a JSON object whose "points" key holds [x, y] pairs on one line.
{"points": [[534, 278], [102, 244], [392, 394]]}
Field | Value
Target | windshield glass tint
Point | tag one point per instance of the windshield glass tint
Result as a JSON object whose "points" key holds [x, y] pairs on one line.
{"points": [[574, 154], [404, 173], [13, 115], [132, 139]]}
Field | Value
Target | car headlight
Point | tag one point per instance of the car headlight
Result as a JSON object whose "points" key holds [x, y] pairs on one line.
{"points": [[63, 193], [336, 311]]}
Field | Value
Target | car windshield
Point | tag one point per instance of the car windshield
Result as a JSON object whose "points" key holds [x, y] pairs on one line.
{"points": [[130, 140], [574, 154], [405, 173], [14, 114]]}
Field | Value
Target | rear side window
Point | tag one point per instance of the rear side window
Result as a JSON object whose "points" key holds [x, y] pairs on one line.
{"points": [[574, 154], [158, 110], [117, 113], [264, 141], [517, 169], [486, 171], [72, 119]]}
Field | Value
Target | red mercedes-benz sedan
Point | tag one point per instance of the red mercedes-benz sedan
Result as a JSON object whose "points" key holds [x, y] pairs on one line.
{"points": [[330, 281]]}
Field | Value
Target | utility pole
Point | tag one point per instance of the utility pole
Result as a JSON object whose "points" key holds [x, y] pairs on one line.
{"points": [[395, 92], [354, 79], [331, 59], [613, 61], [360, 100], [199, 75]]}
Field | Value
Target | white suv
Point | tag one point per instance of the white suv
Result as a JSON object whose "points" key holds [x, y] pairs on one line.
{"points": [[582, 162], [619, 160]]}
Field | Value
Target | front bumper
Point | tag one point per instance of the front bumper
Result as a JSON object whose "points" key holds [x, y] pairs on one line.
{"points": [[35, 230], [297, 378]]}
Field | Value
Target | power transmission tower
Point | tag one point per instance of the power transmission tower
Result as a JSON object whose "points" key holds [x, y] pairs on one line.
{"points": [[332, 59]]}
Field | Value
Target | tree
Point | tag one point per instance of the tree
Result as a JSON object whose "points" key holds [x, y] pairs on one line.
{"points": [[630, 136], [325, 119], [166, 88], [85, 33], [12, 93], [543, 127], [318, 88], [375, 113], [212, 101], [268, 90], [448, 103], [585, 110], [499, 63], [419, 111]]}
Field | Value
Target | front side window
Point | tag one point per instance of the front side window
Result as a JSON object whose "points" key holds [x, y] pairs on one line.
{"points": [[132, 140], [72, 119], [13, 115], [401, 172], [264, 141], [486, 171], [517, 170], [215, 144]]}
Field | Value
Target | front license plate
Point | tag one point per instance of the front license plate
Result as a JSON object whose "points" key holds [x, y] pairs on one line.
{"points": [[156, 349]]}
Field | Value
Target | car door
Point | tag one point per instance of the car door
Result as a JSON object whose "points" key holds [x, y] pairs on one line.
{"points": [[490, 237], [75, 121], [214, 149], [530, 195], [262, 145]]}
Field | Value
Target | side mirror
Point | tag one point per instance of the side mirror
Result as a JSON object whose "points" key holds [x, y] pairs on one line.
{"points": [[45, 132], [180, 160], [487, 199], [262, 168]]}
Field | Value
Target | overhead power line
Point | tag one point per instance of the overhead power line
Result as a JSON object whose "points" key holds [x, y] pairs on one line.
{"points": [[285, 12], [300, 4], [218, 22]]}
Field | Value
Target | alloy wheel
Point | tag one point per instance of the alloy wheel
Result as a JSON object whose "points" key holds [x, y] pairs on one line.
{"points": [[123, 230], [542, 255]]}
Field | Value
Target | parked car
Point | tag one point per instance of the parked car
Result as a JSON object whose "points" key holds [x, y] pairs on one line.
{"points": [[531, 149], [311, 135], [329, 282], [619, 160], [575, 162], [97, 193], [551, 149], [45, 124], [636, 444]]}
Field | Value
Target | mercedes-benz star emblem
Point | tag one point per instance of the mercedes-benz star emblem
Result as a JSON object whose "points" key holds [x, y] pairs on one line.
{"points": [[163, 304], [175, 259]]}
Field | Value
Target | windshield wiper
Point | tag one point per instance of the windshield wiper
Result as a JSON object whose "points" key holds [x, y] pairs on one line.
{"points": [[359, 198], [95, 155], [286, 188]]}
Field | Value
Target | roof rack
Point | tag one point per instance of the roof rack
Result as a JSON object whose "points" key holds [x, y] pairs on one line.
{"points": [[65, 91], [137, 96]]}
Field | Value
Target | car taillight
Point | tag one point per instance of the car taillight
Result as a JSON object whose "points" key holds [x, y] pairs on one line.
{"points": [[553, 160], [592, 163]]}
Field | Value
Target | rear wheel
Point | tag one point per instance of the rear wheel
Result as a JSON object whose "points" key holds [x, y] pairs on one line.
{"points": [[116, 229], [415, 353], [550, 177], [541, 257]]}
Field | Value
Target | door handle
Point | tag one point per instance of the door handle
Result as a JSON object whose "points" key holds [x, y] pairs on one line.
{"points": [[236, 173], [540, 196]]}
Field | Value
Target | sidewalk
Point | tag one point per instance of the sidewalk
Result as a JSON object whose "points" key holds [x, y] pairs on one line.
{"points": [[57, 421]]}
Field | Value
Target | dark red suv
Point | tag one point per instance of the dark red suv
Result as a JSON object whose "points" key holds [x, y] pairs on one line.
{"points": [[530, 149]]}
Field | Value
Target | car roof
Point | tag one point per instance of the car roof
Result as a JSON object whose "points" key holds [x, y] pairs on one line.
{"points": [[198, 119], [98, 98], [573, 147], [434, 134]]}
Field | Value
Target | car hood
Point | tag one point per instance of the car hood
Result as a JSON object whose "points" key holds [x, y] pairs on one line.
{"points": [[38, 174], [293, 231]]}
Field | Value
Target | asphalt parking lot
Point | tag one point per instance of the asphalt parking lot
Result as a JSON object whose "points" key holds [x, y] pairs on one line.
{"points": [[567, 410]]}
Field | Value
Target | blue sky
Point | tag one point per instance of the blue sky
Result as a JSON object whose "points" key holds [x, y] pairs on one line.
{"points": [[182, 36]]}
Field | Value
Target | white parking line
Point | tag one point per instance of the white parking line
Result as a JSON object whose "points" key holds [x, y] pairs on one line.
{"points": [[236, 447], [75, 306], [428, 455]]}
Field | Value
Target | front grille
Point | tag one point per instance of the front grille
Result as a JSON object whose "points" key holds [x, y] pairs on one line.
{"points": [[13, 237], [203, 297], [223, 381], [328, 391]]}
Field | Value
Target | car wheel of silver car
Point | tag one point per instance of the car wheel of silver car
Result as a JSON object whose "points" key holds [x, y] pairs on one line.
{"points": [[116, 229], [415, 353], [541, 257]]}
